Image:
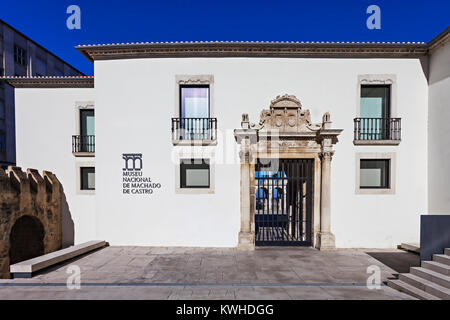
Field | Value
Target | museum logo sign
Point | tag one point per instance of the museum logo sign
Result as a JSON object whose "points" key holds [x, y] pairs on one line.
{"points": [[133, 181]]}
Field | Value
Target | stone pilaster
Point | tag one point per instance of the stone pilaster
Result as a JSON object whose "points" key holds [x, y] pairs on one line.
{"points": [[326, 239], [246, 236]]}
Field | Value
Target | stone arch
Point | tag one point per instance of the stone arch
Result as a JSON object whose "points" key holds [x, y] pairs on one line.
{"points": [[30, 207], [26, 239]]}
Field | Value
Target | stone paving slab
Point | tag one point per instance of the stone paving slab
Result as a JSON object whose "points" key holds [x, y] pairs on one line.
{"points": [[210, 273]]}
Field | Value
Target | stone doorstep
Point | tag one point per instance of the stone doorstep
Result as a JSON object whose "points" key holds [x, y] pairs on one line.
{"points": [[28, 267]]}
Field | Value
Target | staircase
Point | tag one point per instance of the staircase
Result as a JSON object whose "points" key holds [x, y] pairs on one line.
{"points": [[431, 281]]}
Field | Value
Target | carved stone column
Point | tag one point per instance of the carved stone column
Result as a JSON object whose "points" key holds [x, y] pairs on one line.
{"points": [[326, 238], [246, 236], [245, 137]]}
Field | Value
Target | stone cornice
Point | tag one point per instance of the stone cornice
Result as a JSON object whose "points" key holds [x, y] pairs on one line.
{"points": [[440, 40], [50, 82], [253, 49]]}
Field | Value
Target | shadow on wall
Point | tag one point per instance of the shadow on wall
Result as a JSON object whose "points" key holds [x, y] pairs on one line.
{"points": [[398, 261], [67, 225]]}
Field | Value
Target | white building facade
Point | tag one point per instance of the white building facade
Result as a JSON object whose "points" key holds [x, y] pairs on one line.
{"points": [[162, 164]]}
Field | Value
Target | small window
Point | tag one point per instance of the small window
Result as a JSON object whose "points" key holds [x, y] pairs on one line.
{"points": [[20, 55], [87, 178], [194, 173], [374, 173]]}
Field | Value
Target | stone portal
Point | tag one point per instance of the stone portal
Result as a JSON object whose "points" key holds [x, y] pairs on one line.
{"points": [[285, 131]]}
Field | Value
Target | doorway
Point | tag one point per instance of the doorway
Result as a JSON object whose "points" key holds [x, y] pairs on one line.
{"points": [[283, 202]]}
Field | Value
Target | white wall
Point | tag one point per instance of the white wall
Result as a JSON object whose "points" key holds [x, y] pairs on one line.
{"points": [[46, 120], [135, 100], [439, 131]]}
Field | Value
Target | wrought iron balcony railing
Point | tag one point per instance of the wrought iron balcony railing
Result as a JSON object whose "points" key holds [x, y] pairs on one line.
{"points": [[373, 129], [194, 129], [81, 143]]}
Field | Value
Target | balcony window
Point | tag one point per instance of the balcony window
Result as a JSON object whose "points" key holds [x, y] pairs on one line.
{"points": [[85, 141], [194, 122], [375, 122], [194, 101]]}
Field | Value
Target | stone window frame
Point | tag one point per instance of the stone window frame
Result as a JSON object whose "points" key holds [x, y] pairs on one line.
{"points": [[377, 79], [193, 80], [392, 156], [184, 152], [78, 166], [82, 105]]}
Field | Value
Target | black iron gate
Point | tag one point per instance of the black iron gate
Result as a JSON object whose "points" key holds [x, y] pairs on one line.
{"points": [[283, 206]]}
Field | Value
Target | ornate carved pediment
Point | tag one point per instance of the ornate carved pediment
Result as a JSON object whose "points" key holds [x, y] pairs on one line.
{"points": [[286, 124], [286, 115]]}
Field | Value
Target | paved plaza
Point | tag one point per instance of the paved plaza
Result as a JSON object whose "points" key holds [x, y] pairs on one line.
{"points": [[204, 274]]}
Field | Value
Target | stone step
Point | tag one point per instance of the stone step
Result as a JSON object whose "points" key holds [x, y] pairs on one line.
{"points": [[25, 269], [411, 290], [425, 285], [442, 258], [412, 247], [436, 266], [447, 251], [432, 276]]}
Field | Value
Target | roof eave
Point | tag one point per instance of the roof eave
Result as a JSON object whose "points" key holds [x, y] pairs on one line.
{"points": [[343, 50], [50, 82]]}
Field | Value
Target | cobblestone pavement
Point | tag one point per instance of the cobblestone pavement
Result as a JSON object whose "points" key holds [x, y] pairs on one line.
{"points": [[210, 273]]}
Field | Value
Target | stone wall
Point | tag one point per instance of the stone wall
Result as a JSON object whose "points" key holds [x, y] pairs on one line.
{"points": [[29, 194]]}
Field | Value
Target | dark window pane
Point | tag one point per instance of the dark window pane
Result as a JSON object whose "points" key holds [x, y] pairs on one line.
{"points": [[87, 178], [87, 130], [375, 108], [374, 173], [194, 173], [20, 55]]}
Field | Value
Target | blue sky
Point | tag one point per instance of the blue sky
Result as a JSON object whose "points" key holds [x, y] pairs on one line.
{"points": [[105, 21]]}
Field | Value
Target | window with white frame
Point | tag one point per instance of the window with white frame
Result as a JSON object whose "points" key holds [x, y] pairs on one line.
{"points": [[194, 173], [375, 172], [87, 176], [376, 119]]}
